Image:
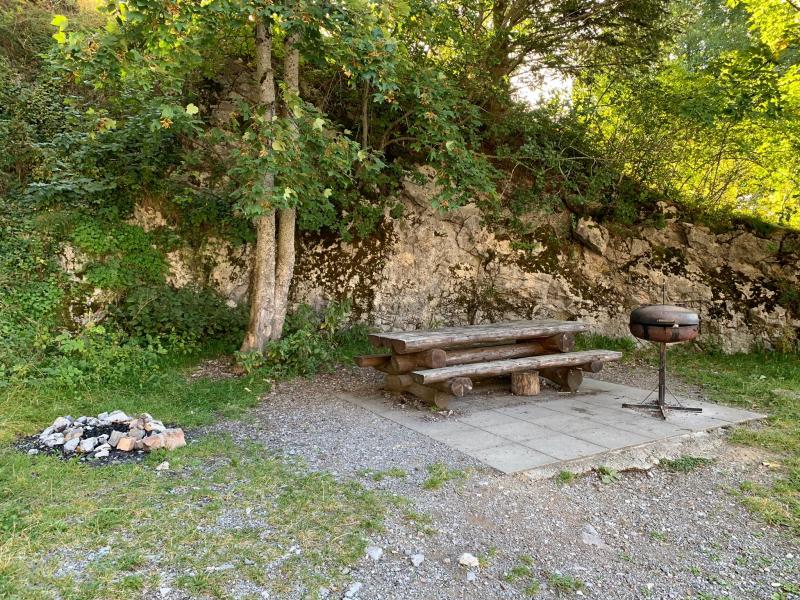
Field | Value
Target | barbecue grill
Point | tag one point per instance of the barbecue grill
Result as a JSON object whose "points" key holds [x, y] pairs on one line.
{"points": [[663, 324]]}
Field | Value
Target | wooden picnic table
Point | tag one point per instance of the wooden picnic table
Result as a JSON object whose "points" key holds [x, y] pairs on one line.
{"points": [[440, 364]]}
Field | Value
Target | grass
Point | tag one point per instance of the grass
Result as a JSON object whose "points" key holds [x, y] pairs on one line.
{"points": [[439, 474], [761, 381], [684, 464], [607, 474], [768, 382], [566, 477], [224, 516], [564, 583], [168, 394]]}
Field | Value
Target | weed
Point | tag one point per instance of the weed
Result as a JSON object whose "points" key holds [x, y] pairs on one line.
{"points": [[566, 477], [564, 583], [658, 536], [439, 474], [684, 464], [607, 474]]}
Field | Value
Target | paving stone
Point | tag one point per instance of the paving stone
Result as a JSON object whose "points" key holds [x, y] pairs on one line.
{"points": [[519, 431], [487, 418], [512, 458], [564, 447]]}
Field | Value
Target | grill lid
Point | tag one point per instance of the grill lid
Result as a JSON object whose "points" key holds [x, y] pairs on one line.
{"points": [[664, 315]]}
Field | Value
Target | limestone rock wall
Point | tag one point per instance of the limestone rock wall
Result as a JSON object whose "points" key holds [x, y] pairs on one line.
{"points": [[429, 269]]}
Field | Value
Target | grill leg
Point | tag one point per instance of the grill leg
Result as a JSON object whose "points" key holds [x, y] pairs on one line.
{"points": [[662, 380]]}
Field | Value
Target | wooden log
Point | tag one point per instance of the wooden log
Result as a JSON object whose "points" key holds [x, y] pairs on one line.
{"points": [[566, 378], [372, 360], [416, 341], [431, 359], [592, 367], [397, 382], [430, 394], [515, 365], [558, 343], [458, 386], [525, 384]]}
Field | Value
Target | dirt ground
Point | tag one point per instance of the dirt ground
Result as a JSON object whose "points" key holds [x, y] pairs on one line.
{"points": [[645, 534]]}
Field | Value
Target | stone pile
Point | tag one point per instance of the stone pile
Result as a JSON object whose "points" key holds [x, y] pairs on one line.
{"points": [[107, 434]]}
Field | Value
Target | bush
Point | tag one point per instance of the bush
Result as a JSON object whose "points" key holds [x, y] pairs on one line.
{"points": [[313, 341], [186, 316]]}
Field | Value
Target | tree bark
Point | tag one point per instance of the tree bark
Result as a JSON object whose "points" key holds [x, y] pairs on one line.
{"points": [[284, 267], [262, 280]]}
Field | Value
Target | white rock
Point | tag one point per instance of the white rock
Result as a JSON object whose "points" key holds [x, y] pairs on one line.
{"points": [[374, 552], [353, 590], [71, 445], [72, 432], [590, 537], [471, 576], [103, 446], [118, 417], [115, 437], [61, 423], [88, 444], [101, 454], [33, 451], [102, 416], [54, 439], [45, 433], [468, 560], [164, 466], [417, 559], [81, 420]]}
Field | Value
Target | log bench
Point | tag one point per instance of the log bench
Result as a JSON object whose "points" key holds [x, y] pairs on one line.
{"points": [[442, 364]]}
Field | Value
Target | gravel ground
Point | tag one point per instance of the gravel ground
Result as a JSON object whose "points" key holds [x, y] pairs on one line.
{"points": [[649, 534]]}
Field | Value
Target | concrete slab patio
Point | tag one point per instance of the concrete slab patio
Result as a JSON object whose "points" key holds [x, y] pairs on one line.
{"points": [[553, 431]]}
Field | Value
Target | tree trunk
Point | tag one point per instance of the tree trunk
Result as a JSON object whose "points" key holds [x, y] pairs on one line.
{"points": [[365, 116], [284, 268], [262, 280]]}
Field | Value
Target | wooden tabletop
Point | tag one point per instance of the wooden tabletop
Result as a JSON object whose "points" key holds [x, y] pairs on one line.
{"points": [[417, 341]]}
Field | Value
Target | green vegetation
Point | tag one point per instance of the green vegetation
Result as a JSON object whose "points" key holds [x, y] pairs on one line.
{"points": [[566, 477], [769, 382], [439, 474], [564, 583], [684, 464], [607, 474], [79, 531]]}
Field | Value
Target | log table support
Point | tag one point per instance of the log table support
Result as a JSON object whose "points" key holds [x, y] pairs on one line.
{"points": [[525, 384], [439, 365], [567, 379]]}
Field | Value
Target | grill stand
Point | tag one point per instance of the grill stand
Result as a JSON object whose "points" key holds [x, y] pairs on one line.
{"points": [[660, 404]]}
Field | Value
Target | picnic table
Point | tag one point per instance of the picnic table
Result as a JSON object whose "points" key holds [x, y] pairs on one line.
{"points": [[441, 364]]}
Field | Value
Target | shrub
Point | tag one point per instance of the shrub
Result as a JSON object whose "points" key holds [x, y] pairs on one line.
{"points": [[187, 316]]}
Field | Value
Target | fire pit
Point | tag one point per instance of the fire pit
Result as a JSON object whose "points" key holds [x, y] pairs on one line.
{"points": [[663, 324]]}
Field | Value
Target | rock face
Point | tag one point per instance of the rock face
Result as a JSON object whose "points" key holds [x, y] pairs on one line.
{"points": [[430, 269]]}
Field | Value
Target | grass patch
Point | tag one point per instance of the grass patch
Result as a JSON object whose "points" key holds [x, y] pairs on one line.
{"points": [[394, 472], [439, 474], [566, 477], [684, 464], [593, 341], [168, 394], [223, 515], [564, 583], [768, 382]]}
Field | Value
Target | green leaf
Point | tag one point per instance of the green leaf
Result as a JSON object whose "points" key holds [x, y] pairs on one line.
{"points": [[60, 37], [362, 155], [191, 109], [60, 21], [278, 146], [319, 123], [450, 144], [327, 192]]}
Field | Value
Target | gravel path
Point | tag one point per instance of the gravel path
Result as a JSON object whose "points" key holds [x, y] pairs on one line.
{"points": [[647, 535]]}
